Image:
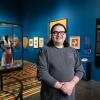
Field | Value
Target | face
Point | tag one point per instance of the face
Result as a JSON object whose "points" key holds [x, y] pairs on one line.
{"points": [[58, 35]]}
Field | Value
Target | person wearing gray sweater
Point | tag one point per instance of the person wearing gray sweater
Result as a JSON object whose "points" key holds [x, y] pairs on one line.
{"points": [[59, 67]]}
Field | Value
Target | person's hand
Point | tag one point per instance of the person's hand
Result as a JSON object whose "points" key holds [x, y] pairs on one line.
{"points": [[58, 85], [67, 88]]}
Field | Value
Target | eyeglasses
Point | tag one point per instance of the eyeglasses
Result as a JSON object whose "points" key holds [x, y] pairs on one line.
{"points": [[57, 32]]}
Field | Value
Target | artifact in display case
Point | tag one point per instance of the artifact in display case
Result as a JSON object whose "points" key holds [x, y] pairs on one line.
{"points": [[6, 45], [11, 57]]}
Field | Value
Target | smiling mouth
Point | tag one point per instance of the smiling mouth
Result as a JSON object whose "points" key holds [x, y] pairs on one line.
{"points": [[58, 38]]}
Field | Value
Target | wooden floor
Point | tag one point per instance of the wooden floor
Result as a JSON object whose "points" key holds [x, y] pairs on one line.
{"points": [[33, 97], [85, 90], [28, 77]]}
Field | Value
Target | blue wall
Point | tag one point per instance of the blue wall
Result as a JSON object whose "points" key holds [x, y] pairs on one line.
{"points": [[37, 14], [81, 16], [10, 12]]}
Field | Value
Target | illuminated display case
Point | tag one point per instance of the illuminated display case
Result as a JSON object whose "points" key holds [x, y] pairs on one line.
{"points": [[11, 49]]}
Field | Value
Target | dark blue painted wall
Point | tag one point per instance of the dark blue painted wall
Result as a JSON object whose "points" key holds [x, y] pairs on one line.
{"points": [[10, 12], [81, 15], [37, 14]]}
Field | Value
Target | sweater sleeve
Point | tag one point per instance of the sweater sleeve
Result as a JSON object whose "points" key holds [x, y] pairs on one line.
{"points": [[43, 70], [79, 71]]}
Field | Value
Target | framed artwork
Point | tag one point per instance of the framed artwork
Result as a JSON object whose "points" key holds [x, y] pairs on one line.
{"points": [[25, 42], [75, 42], [30, 42], [35, 42], [62, 21], [41, 42]]}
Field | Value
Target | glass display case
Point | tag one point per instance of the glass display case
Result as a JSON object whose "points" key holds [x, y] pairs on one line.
{"points": [[11, 56]]}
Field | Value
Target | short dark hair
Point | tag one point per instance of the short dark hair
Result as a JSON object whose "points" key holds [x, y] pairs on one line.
{"points": [[51, 43], [57, 24]]}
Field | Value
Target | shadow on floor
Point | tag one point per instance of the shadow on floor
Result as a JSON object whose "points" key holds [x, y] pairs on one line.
{"points": [[85, 90], [33, 97], [88, 90]]}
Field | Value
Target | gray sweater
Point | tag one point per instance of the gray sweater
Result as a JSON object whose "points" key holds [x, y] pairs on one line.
{"points": [[59, 64]]}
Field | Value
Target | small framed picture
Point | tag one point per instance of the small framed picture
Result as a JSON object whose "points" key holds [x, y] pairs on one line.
{"points": [[35, 42], [25, 42], [30, 42], [75, 42], [41, 42]]}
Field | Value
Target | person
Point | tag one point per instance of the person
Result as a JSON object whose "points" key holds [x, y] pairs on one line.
{"points": [[59, 67], [6, 45]]}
